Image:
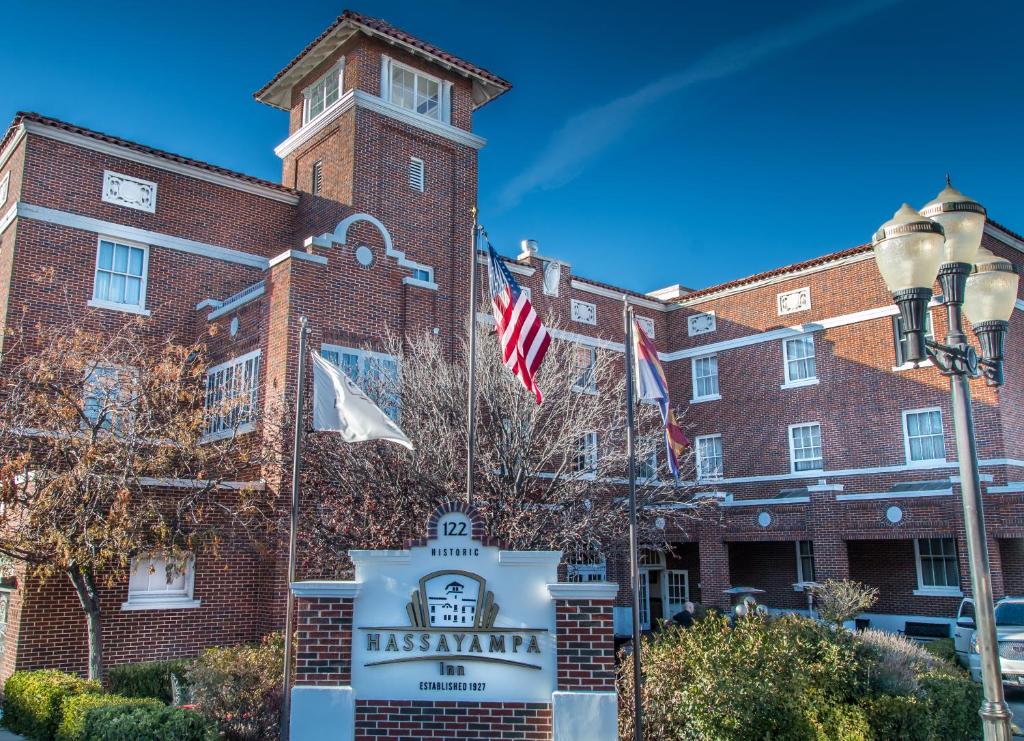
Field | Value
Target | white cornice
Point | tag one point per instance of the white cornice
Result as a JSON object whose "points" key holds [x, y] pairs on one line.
{"points": [[374, 103], [617, 295], [893, 495], [529, 558], [297, 255], [1003, 237], [788, 275], [229, 307], [339, 589], [513, 267], [161, 163], [19, 134], [8, 218], [110, 229], [764, 502], [589, 590]]}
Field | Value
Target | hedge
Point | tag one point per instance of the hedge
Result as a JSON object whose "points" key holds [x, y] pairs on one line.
{"points": [[76, 709], [32, 701], [149, 722], [148, 679]]}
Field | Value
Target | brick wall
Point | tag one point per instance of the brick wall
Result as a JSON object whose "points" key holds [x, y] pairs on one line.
{"points": [[585, 644], [406, 720], [324, 636]]}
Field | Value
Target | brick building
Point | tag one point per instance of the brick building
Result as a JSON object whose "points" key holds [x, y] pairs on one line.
{"points": [[827, 455]]}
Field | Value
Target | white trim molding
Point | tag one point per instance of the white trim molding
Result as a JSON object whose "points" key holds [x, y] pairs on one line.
{"points": [[358, 98], [339, 589], [340, 237], [8, 218], [5, 155], [160, 163], [595, 590], [529, 558], [894, 495], [580, 285], [763, 502], [144, 236], [1010, 487], [297, 255]]}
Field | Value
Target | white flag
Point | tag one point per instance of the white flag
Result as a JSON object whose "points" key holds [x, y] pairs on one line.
{"points": [[341, 406]]}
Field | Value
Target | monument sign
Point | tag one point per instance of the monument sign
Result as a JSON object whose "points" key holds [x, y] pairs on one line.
{"points": [[451, 637]]}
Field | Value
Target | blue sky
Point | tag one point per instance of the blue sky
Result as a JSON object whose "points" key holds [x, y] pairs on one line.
{"points": [[645, 143]]}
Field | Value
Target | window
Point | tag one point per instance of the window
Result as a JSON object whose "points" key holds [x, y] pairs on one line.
{"points": [[804, 561], [415, 91], [586, 454], [102, 392], [586, 564], [322, 94], [705, 378], [900, 342], [709, 457], [585, 358], [375, 373], [423, 274], [922, 436], [798, 360], [5, 184], [317, 177], [120, 281], [805, 447], [647, 466], [417, 175], [232, 389], [937, 567], [156, 583]]}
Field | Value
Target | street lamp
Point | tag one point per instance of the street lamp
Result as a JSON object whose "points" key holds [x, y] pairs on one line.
{"points": [[943, 240]]}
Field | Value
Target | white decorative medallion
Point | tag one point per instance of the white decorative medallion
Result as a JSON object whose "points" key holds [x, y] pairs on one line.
{"points": [[764, 519], [791, 302], [701, 323], [647, 325], [364, 255], [584, 312], [130, 192], [894, 514]]}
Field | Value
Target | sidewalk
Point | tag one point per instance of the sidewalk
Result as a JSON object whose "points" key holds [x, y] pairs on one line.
{"points": [[6, 735]]}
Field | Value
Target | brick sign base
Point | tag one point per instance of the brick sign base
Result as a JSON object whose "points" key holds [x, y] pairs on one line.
{"points": [[488, 646]]}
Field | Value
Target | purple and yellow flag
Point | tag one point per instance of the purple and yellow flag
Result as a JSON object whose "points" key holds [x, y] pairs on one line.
{"points": [[651, 385]]}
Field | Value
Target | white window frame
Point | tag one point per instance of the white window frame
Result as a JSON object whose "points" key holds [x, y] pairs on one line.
{"points": [[590, 451], [113, 423], [97, 303], [792, 449], [801, 580], [443, 92], [933, 591], [338, 70], [183, 600], [591, 387], [797, 383], [417, 174], [587, 564], [701, 474], [363, 357], [243, 427], [5, 187], [697, 397], [925, 462]]}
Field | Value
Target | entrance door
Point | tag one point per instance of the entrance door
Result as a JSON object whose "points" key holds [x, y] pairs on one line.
{"points": [[645, 600], [675, 591]]}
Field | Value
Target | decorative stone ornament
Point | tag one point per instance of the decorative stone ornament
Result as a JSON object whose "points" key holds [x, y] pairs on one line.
{"points": [[701, 323], [894, 515], [122, 190], [364, 255], [791, 302], [584, 312], [454, 621], [764, 519]]}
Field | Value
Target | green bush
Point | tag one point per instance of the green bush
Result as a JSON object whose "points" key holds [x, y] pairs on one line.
{"points": [[32, 700], [240, 688], [75, 709], [842, 723], [952, 702], [148, 679], [152, 722], [943, 648], [901, 717], [897, 662]]}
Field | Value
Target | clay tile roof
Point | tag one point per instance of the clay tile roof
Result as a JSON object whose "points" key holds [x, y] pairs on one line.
{"points": [[813, 263], [376, 25], [23, 116]]}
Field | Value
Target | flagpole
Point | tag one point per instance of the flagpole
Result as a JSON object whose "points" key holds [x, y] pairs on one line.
{"points": [[634, 567], [471, 411], [289, 620]]}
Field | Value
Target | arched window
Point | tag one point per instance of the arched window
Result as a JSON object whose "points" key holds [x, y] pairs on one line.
{"points": [[651, 559]]}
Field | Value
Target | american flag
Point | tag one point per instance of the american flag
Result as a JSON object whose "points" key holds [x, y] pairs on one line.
{"points": [[524, 341]]}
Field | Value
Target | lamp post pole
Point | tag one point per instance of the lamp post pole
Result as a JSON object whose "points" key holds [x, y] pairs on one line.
{"points": [[943, 241]]}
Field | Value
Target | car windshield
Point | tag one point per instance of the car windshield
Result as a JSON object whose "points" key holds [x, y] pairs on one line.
{"points": [[1010, 613]]}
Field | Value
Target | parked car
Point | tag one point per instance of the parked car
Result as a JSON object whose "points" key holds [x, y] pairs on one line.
{"points": [[1009, 635]]}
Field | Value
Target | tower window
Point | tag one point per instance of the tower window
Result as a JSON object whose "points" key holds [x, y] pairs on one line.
{"points": [[417, 175], [415, 91], [317, 177], [322, 94]]}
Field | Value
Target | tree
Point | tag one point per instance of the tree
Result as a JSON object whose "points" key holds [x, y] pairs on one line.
{"points": [[839, 600], [93, 426], [539, 483]]}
